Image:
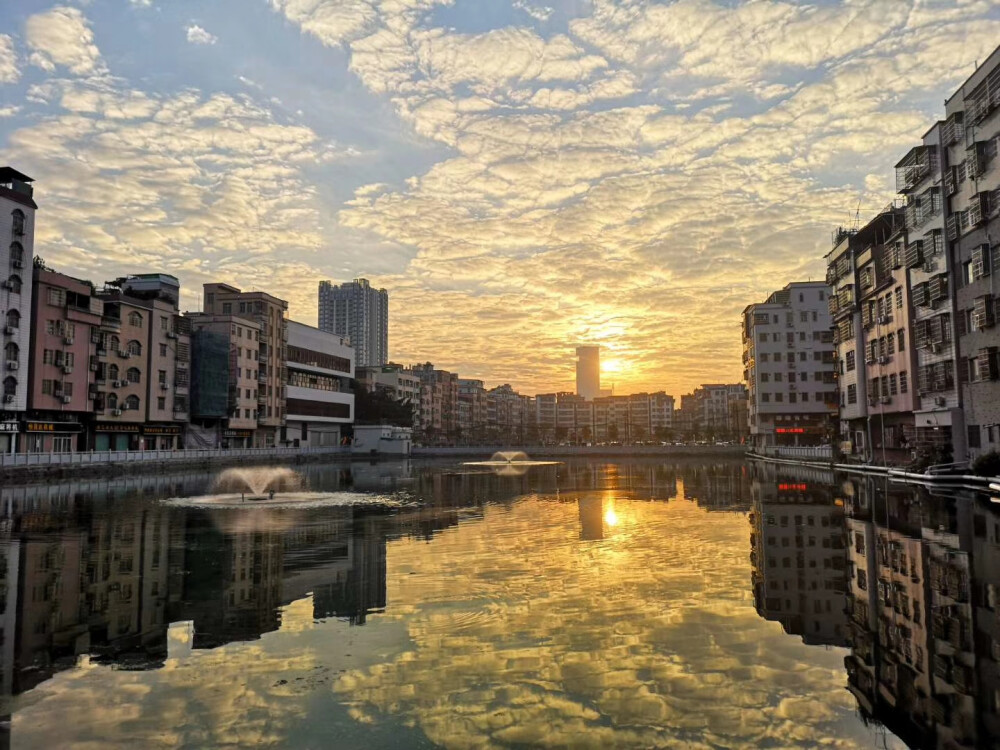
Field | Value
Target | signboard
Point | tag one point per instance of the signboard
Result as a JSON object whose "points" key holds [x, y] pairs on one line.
{"points": [[8, 426], [237, 433], [793, 487], [132, 429], [52, 427], [161, 429]]}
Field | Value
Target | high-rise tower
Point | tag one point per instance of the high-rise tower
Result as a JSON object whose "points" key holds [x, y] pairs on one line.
{"points": [[357, 311]]}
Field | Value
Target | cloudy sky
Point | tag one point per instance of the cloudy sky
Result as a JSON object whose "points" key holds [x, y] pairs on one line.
{"points": [[521, 175]]}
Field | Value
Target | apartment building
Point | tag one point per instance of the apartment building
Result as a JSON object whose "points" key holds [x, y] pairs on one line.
{"points": [[938, 419], [17, 242], [60, 368], [360, 313], [969, 142], [438, 413], [588, 372], [168, 360], [788, 356], [270, 315], [394, 380], [510, 415], [320, 401], [225, 383], [473, 409], [122, 377]]}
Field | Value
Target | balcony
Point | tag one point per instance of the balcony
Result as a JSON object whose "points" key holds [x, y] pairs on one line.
{"points": [[915, 167]]}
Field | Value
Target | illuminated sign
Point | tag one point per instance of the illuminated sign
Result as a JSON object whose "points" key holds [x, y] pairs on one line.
{"points": [[793, 487], [790, 430], [237, 433], [8, 426], [52, 427], [159, 429], [130, 428]]}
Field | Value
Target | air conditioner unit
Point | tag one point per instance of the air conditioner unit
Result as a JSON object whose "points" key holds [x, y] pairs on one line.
{"points": [[12, 365], [119, 384], [123, 353], [67, 399], [93, 367], [17, 263], [7, 285], [68, 340], [116, 412], [929, 267], [9, 330], [936, 348], [164, 387], [8, 398], [886, 400], [883, 360], [171, 335], [939, 401], [67, 369]]}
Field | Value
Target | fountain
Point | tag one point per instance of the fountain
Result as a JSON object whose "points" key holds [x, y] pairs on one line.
{"points": [[511, 463], [277, 487]]}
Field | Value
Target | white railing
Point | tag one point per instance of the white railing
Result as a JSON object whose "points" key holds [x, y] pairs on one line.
{"points": [[8, 460], [812, 453]]}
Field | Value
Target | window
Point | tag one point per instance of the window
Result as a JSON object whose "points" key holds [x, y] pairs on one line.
{"points": [[164, 323], [765, 397], [777, 377], [890, 342], [974, 437], [113, 372], [11, 352], [804, 315], [163, 350], [802, 335], [13, 319], [779, 397], [792, 398], [852, 394], [822, 295], [16, 255], [902, 382], [902, 342], [762, 338], [765, 377], [9, 385], [17, 222], [133, 375], [112, 400], [892, 384], [161, 402], [113, 343], [802, 356], [765, 357], [132, 403], [47, 387], [850, 361], [135, 320], [14, 284], [227, 308], [899, 298], [134, 348]]}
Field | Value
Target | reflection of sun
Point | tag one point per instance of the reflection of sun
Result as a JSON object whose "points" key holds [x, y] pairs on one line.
{"points": [[610, 517]]}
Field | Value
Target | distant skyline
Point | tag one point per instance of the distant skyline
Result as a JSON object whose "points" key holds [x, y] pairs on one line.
{"points": [[522, 177]]}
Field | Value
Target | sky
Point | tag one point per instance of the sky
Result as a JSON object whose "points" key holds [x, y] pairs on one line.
{"points": [[523, 177]]}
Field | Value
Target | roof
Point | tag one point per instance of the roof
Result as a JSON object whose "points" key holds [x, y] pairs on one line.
{"points": [[11, 173]]}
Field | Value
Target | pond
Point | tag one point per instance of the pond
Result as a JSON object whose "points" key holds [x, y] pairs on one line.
{"points": [[630, 603]]}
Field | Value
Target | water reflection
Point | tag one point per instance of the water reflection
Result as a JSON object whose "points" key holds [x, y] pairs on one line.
{"points": [[916, 601], [611, 602]]}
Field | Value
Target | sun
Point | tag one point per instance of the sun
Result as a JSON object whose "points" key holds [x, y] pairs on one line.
{"points": [[611, 366]]}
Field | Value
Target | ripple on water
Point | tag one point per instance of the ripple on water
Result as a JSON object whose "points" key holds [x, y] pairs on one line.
{"points": [[290, 500]]}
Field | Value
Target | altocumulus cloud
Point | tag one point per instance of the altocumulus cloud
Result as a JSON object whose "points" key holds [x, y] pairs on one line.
{"points": [[628, 172]]}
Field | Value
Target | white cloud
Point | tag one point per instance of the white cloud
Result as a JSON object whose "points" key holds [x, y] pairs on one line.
{"points": [[9, 71], [197, 35], [63, 37]]}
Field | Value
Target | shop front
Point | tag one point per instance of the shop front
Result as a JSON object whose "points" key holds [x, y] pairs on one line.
{"points": [[43, 436], [117, 437], [8, 435], [235, 439], [161, 437]]}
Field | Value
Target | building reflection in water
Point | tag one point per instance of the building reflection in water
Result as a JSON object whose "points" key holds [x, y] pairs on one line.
{"points": [[917, 586]]}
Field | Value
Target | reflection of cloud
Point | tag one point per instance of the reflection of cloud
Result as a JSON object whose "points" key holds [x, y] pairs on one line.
{"points": [[645, 639]]}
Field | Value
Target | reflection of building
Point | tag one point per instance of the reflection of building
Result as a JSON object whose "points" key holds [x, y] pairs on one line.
{"points": [[798, 555], [591, 517], [922, 655]]}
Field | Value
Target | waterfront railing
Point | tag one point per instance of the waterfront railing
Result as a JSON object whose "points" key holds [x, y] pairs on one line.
{"points": [[87, 458]]}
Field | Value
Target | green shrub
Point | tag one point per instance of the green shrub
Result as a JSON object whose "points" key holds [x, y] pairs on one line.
{"points": [[987, 465]]}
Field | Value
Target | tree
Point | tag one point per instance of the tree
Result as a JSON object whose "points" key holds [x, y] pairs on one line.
{"points": [[585, 434], [377, 407], [612, 432], [561, 433], [663, 433]]}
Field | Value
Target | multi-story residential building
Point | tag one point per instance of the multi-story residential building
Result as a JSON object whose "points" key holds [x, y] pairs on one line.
{"points": [[17, 242], [510, 415], [394, 380], [438, 411], [360, 313], [970, 136], [661, 414], [270, 314], [168, 360], [122, 377], [790, 372], [320, 368], [588, 372], [938, 418], [61, 369], [225, 383], [473, 409]]}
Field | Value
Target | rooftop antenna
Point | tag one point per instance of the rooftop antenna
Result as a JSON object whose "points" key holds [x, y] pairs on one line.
{"points": [[857, 217]]}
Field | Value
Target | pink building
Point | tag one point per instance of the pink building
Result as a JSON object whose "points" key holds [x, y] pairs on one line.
{"points": [[60, 396]]}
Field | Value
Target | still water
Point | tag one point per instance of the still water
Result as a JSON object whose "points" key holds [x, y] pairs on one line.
{"points": [[593, 604]]}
